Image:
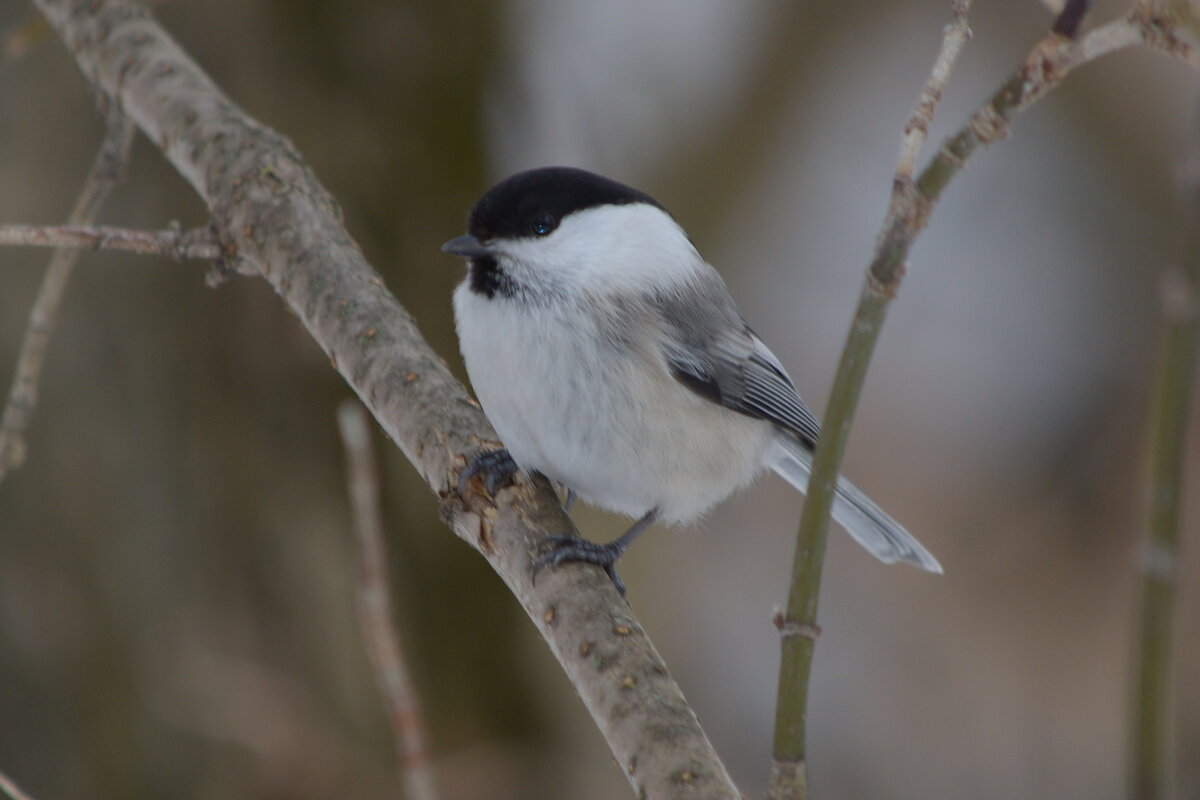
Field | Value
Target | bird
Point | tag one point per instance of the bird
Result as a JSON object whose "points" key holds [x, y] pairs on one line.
{"points": [[610, 357]]}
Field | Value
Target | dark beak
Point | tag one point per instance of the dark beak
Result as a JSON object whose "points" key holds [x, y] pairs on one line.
{"points": [[467, 247]]}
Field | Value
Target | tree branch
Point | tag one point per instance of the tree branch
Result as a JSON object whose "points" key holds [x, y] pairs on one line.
{"points": [[173, 243], [798, 624], [912, 202], [375, 607], [277, 221], [1150, 761], [954, 38], [106, 172]]}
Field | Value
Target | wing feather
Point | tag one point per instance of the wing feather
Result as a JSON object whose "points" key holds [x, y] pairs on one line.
{"points": [[711, 350]]}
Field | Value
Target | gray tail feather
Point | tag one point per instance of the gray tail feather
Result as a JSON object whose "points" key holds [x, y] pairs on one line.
{"points": [[870, 526]]}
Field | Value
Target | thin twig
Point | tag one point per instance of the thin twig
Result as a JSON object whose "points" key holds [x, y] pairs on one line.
{"points": [[1158, 31], [798, 625], [954, 38], [174, 243], [1150, 752], [375, 607], [10, 788], [106, 172]]}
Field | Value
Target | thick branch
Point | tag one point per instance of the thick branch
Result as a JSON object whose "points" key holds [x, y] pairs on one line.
{"points": [[107, 171], [271, 211]]}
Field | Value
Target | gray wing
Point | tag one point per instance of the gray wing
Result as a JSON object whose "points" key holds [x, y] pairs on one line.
{"points": [[711, 350]]}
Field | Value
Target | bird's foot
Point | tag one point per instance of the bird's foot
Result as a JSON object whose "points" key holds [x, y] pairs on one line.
{"points": [[496, 467], [566, 548]]}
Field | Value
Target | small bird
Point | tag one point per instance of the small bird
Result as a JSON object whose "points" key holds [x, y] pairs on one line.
{"points": [[610, 357]]}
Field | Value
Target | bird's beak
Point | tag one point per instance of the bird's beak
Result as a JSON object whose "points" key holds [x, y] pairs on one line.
{"points": [[468, 247]]}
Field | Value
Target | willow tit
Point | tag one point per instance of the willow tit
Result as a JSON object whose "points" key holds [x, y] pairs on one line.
{"points": [[610, 357]]}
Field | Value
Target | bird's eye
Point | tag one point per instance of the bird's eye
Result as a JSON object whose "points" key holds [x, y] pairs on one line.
{"points": [[544, 225]]}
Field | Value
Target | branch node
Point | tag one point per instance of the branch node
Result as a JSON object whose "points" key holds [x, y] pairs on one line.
{"points": [[987, 125], [786, 775], [228, 263], [789, 629], [947, 154]]}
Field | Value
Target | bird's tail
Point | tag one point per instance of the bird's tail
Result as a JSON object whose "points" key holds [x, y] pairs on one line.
{"points": [[881, 535]]}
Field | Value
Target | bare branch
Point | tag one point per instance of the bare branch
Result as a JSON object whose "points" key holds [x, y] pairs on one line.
{"points": [[107, 171], [798, 624], [954, 39], [173, 243], [1047, 64], [1160, 32], [375, 607], [1150, 756], [267, 204]]}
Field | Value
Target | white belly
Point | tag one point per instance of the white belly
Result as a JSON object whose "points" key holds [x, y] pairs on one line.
{"points": [[619, 430]]}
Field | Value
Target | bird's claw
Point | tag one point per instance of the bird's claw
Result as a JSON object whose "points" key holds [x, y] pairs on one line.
{"points": [[496, 466], [565, 548]]}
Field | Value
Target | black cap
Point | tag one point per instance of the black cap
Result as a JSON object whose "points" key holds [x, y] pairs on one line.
{"points": [[533, 203]]}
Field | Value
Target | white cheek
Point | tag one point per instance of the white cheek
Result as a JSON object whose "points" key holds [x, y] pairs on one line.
{"points": [[630, 247]]}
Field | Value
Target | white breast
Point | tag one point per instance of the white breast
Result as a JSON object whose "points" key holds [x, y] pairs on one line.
{"points": [[605, 420]]}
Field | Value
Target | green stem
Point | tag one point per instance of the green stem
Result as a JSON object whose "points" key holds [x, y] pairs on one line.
{"points": [[799, 627], [1149, 730], [1049, 62]]}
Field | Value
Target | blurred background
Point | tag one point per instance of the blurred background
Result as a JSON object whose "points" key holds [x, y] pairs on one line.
{"points": [[176, 563]]}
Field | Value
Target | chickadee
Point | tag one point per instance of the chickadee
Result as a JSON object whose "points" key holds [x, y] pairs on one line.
{"points": [[610, 357]]}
